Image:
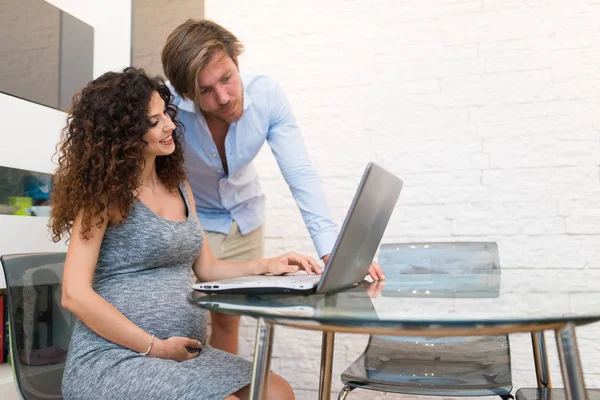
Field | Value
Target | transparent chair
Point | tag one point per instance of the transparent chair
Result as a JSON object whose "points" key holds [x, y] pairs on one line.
{"points": [[551, 394], [40, 329], [446, 366]]}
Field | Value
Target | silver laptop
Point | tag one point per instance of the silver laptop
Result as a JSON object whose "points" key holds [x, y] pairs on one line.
{"points": [[354, 248]]}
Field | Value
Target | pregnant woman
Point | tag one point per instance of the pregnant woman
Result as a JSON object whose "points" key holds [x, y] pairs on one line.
{"points": [[121, 198]]}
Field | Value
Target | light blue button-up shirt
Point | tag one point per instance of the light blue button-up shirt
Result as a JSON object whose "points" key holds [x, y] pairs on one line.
{"points": [[222, 199]]}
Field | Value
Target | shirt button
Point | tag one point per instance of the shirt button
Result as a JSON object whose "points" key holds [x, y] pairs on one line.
{"points": [[219, 170], [214, 155]]}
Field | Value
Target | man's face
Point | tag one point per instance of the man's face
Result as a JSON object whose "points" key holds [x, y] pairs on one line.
{"points": [[220, 93]]}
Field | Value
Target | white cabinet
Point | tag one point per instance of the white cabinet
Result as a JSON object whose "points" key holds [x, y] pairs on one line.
{"points": [[8, 390]]}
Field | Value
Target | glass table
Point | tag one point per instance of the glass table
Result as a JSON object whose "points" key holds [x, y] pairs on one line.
{"points": [[435, 306]]}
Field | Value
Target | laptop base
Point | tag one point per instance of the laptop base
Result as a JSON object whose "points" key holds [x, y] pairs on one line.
{"points": [[258, 290]]}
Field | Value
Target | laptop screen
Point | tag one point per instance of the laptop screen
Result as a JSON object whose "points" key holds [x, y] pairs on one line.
{"points": [[362, 230]]}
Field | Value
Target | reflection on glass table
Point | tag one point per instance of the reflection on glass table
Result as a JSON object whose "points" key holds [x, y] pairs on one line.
{"points": [[389, 307], [415, 304]]}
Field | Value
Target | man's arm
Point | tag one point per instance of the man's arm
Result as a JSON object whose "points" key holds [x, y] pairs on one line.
{"points": [[289, 149]]}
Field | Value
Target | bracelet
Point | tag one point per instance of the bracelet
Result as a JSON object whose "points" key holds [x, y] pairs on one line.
{"points": [[149, 348]]}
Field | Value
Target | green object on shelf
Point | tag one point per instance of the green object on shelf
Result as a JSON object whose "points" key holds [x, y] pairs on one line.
{"points": [[24, 204], [9, 352]]}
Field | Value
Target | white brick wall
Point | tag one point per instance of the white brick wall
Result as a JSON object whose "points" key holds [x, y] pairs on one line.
{"points": [[490, 111]]}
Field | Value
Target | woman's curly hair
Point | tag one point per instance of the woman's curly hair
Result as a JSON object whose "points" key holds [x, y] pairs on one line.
{"points": [[100, 159]]}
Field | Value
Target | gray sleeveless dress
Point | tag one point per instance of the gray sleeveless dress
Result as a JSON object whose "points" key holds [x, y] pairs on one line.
{"points": [[144, 271]]}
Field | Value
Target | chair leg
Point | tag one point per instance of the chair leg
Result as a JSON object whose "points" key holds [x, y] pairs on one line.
{"points": [[345, 392]]}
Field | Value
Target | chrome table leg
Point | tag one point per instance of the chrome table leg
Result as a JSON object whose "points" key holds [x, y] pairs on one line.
{"points": [[570, 363], [262, 359], [326, 365], [540, 357]]}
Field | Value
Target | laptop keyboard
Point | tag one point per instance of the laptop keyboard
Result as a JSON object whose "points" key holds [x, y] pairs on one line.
{"points": [[267, 280]]}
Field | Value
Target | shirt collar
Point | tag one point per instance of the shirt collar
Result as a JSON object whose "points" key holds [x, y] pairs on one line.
{"points": [[187, 105], [247, 99]]}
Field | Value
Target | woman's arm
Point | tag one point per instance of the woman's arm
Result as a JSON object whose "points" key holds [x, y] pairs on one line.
{"points": [[79, 297], [207, 268]]}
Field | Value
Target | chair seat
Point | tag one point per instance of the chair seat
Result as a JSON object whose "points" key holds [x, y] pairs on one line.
{"points": [[42, 382], [551, 394], [434, 377]]}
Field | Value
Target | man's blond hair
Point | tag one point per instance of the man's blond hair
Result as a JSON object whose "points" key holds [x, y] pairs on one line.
{"points": [[190, 47]]}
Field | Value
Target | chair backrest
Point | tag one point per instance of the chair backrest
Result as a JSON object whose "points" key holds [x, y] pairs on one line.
{"points": [[441, 269], [455, 258], [444, 270], [40, 329]]}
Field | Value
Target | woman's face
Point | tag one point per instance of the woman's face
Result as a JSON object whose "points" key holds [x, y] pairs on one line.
{"points": [[158, 139]]}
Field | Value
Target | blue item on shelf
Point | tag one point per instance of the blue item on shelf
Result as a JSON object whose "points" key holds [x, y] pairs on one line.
{"points": [[38, 187]]}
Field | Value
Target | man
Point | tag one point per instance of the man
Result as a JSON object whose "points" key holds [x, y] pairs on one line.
{"points": [[227, 119]]}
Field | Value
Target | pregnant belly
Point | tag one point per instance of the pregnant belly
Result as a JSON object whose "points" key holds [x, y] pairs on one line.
{"points": [[157, 301]]}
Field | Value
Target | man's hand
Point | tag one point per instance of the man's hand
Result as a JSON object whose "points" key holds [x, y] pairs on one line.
{"points": [[375, 271], [375, 289]]}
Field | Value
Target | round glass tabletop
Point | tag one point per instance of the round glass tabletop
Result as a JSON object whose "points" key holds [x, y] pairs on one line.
{"points": [[435, 300]]}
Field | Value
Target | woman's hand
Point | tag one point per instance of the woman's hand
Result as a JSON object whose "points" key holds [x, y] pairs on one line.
{"points": [[176, 348], [292, 262]]}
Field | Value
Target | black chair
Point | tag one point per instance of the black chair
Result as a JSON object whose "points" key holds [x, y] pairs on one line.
{"points": [[446, 366], [551, 394], [40, 329]]}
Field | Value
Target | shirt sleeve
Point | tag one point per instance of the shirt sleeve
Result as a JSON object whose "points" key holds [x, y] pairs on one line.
{"points": [[288, 147]]}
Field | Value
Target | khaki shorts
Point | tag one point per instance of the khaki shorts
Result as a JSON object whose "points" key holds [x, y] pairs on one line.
{"points": [[234, 246]]}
